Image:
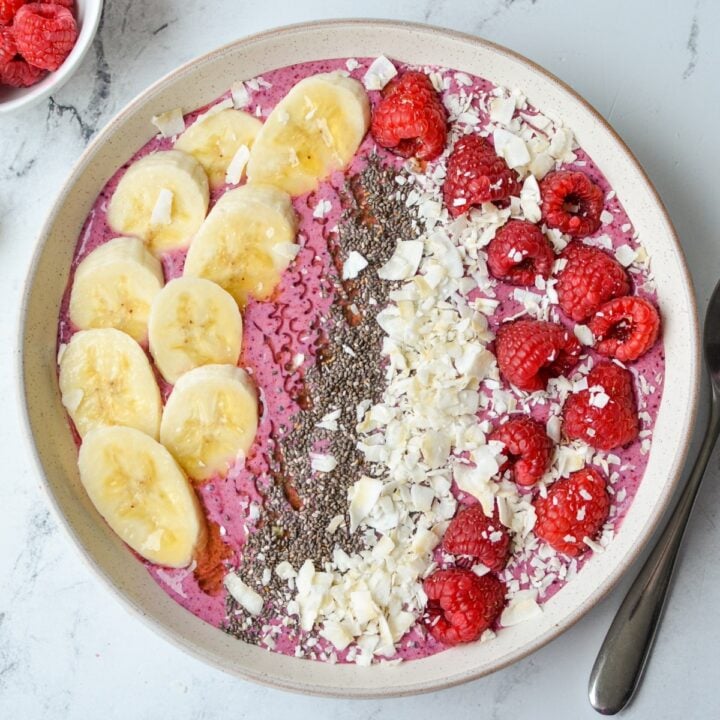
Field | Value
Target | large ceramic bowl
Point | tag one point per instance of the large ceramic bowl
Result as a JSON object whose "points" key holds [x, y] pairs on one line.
{"points": [[198, 83]]}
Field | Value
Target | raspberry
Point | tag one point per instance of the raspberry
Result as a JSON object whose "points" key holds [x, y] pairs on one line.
{"points": [[520, 252], [571, 202], [530, 352], [18, 73], [604, 415], [475, 174], [65, 3], [45, 34], [474, 534], [527, 446], [8, 8], [410, 119], [575, 508], [8, 49], [461, 606], [625, 328], [590, 278]]}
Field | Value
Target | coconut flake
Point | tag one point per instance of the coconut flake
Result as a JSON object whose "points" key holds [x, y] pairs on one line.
{"points": [[354, 265], [625, 255], [523, 606], [502, 110], [511, 147], [169, 123], [243, 594], [320, 462], [240, 95], [530, 199], [363, 495], [404, 261], [162, 212], [379, 74], [237, 165], [584, 334]]}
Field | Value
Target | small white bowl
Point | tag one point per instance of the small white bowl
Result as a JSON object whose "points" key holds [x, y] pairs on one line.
{"points": [[88, 13]]}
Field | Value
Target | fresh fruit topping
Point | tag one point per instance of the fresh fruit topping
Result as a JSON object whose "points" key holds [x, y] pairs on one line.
{"points": [[106, 379], [162, 199], [475, 175], [410, 119], [65, 3], [575, 508], [140, 490], [246, 242], [530, 352], [8, 48], [590, 277], [604, 415], [18, 73], [312, 132], [571, 202], [527, 447], [461, 605], [45, 34], [114, 287], [193, 322], [625, 328], [520, 252], [210, 420], [14, 71], [214, 140], [8, 8], [473, 534]]}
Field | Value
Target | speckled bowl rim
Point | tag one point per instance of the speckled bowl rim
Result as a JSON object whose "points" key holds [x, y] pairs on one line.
{"points": [[367, 686]]}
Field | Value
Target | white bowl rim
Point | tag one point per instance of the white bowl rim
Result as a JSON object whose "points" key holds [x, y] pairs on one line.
{"points": [[457, 678], [47, 86]]}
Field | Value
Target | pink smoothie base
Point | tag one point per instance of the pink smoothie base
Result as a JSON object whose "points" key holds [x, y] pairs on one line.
{"points": [[282, 332]]}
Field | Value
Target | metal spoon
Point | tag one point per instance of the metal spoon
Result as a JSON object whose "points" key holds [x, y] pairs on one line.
{"points": [[622, 657]]}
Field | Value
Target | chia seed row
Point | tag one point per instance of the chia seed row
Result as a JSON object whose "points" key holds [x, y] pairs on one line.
{"points": [[300, 503]]}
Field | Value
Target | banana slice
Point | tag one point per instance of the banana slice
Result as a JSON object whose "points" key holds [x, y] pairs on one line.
{"points": [[313, 131], [194, 322], [142, 493], [215, 139], [106, 379], [246, 242], [114, 287], [210, 420], [162, 199]]}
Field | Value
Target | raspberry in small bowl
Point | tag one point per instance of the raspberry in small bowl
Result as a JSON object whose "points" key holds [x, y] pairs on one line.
{"points": [[41, 46]]}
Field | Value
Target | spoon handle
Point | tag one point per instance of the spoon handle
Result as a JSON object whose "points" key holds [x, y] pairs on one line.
{"points": [[622, 657]]}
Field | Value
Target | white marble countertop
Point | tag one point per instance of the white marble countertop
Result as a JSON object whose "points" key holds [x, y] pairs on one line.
{"points": [[67, 648]]}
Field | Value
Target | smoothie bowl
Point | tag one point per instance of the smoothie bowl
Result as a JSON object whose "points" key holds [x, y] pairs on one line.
{"points": [[347, 354]]}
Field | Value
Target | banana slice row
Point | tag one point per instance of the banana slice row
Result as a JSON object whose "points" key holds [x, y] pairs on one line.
{"points": [[193, 324], [138, 485], [142, 493]]}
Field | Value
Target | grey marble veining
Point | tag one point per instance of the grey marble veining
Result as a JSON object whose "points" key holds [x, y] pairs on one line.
{"points": [[67, 649]]}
